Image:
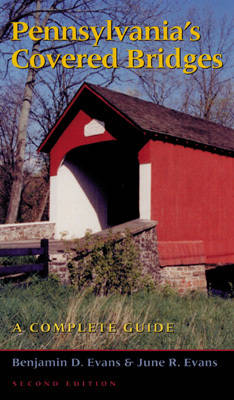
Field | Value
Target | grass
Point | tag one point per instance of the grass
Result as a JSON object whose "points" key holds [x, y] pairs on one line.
{"points": [[200, 322]]}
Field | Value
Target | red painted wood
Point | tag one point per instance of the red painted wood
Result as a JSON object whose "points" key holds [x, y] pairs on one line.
{"points": [[181, 253], [73, 103], [72, 137], [193, 198], [144, 155]]}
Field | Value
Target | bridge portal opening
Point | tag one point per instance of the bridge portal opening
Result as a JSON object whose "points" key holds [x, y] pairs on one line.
{"points": [[97, 188]]}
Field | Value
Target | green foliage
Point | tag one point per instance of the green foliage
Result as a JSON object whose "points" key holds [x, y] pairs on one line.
{"points": [[107, 265]]}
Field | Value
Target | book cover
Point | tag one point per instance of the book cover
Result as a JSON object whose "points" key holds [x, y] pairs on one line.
{"points": [[116, 193]]}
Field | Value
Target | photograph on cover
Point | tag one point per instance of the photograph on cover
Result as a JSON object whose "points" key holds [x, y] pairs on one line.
{"points": [[116, 183]]}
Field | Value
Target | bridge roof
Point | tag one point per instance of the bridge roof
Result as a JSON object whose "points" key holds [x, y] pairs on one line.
{"points": [[146, 117]]}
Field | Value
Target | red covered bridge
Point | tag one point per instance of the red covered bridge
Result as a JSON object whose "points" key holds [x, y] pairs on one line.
{"points": [[115, 158]]}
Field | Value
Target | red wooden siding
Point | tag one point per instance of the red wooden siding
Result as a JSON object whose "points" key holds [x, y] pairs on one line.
{"points": [[181, 253], [193, 198]]}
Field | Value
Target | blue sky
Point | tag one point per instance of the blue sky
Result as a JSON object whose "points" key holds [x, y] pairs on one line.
{"points": [[217, 6]]}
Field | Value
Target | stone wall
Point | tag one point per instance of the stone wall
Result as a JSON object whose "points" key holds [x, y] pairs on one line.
{"points": [[146, 241], [58, 266], [184, 278], [182, 265], [144, 235], [26, 231]]}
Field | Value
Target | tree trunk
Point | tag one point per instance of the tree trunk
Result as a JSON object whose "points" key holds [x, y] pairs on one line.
{"points": [[17, 184], [43, 205]]}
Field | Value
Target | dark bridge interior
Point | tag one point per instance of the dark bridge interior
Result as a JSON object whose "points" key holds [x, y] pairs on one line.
{"points": [[115, 170], [220, 281]]}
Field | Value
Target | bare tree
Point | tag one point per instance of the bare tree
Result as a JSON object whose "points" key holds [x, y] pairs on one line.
{"points": [[158, 88], [222, 111], [31, 201], [22, 135], [8, 121], [204, 90], [9, 114], [12, 11]]}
